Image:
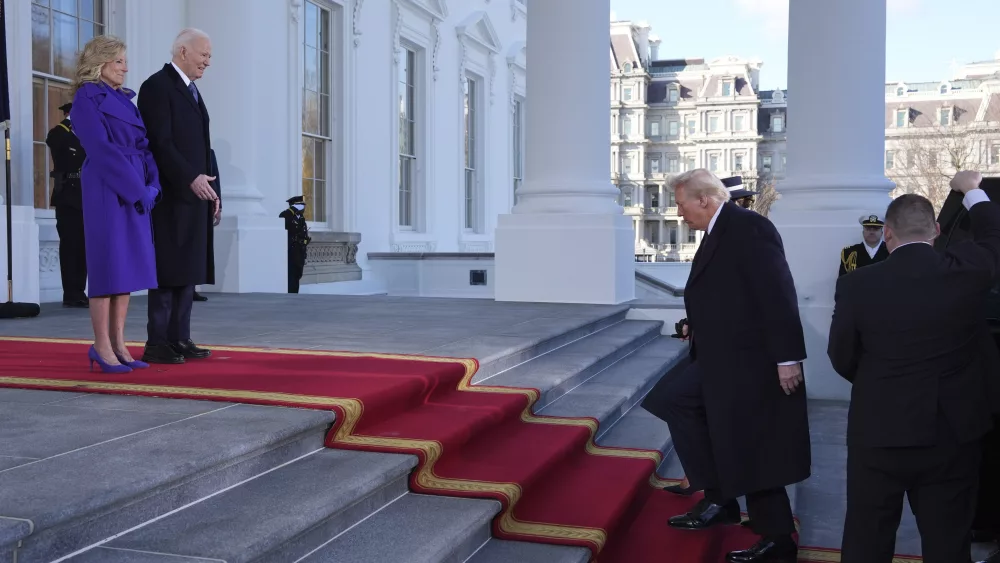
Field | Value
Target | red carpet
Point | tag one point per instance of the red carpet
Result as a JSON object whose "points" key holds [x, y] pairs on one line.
{"points": [[555, 484]]}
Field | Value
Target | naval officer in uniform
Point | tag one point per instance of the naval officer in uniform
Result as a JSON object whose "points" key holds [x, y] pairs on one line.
{"points": [[738, 194], [67, 197], [298, 240], [869, 251]]}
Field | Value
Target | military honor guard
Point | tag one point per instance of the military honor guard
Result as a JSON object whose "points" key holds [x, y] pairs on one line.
{"points": [[869, 251], [67, 158], [298, 240], [737, 193]]}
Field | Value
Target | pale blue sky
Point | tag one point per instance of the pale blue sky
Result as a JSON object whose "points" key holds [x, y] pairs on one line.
{"points": [[925, 37]]}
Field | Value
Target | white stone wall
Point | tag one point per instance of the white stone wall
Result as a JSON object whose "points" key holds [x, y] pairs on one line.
{"points": [[254, 94]]}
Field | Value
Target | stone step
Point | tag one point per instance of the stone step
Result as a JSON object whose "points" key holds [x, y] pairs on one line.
{"points": [[501, 551], [558, 372], [414, 529], [541, 335], [123, 482], [278, 516]]}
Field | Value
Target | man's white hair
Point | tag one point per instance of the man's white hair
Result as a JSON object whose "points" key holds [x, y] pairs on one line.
{"points": [[701, 182], [185, 38]]}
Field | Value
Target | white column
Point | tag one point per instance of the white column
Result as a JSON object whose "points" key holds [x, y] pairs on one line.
{"points": [[245, 82], [835, 168], [566, 239]]}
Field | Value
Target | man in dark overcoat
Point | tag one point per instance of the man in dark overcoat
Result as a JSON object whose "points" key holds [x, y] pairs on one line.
{"points": [[737, 412], [177, 125], [67, 160], [909, 334]]}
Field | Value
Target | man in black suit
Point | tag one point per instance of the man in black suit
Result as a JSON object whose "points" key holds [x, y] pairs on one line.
{"points": [[176, 121], [737, 411], [67, 160], [909, 334]]}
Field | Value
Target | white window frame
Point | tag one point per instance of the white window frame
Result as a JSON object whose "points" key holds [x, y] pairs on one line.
{"points": [[713, 162], [626, 163], [627, 94], [714, 122], [46, 79], [407, 192], [517, 145], [673, 94], [478, 48], [739, 162], [739, 122], [731, 84], [950, 111], [654, 127], [472, 153], [415, 28], [673, 164], [767, 163], [673, 129], [692, 125], [901, 115], [654, 165], [627, 126], [778, 123], [690, 162], [994, 156]]}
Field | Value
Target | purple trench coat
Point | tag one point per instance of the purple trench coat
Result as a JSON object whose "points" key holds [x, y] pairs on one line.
{"points": [[115, 176]]}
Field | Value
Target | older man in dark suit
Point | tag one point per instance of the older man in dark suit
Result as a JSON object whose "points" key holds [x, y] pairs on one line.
{"points": [[737, 412], [177, 125], [910, 334]]}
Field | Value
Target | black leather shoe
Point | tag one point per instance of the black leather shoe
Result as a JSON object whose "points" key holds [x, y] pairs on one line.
{"points": [[705, 515], [188, 349], [768, 550], [199, 297], [161, 354], [679, 490], [77, 303]]}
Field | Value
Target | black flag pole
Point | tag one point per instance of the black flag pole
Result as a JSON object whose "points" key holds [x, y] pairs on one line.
{"points": [[10, 309]]}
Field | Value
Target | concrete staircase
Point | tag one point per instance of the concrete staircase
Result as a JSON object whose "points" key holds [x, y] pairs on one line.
{"points": [[254, 484]]}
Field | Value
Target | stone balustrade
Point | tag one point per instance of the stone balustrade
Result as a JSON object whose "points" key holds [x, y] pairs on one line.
{"points": [[332, 257]]}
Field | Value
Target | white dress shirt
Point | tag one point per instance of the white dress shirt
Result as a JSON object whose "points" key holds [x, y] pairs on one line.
{"points": [[872, 251], [184, 77]]}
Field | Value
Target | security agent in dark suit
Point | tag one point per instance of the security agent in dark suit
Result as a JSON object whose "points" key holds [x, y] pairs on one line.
{"points": [[738, 415], [177, 124], [909, 334], [871, 251], [298, 240], [67, 158]]}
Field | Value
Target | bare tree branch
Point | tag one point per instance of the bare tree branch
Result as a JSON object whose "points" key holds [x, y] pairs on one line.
{"points": [[762, 183], [925, 160]]}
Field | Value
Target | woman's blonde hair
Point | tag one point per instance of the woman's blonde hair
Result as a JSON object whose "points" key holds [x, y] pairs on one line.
{"points": [[98, 52]]}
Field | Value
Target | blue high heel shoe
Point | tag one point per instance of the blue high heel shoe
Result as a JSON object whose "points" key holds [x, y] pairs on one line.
{"points": [[134, 364], [105, 367]]}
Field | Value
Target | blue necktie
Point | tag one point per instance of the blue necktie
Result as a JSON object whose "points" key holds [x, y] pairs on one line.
{"points": [[193, 90]]}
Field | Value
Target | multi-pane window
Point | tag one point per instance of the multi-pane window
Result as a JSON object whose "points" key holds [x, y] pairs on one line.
{"points": [[713, 124], [945, 117], [654, 128], [407, 136], [673, 93], [778, 124], [713, 162], [901, 117], [765, 163], [672, 128], [627, 164], [654, 166], [628, 94], [518, 149], [673, 164], [995, 154], [59, 29], [738, 123], [692, 236], [738, 162], [626, 126], [692, 126], [471, 137], [689, 162], [317, 141], [727, 88]]}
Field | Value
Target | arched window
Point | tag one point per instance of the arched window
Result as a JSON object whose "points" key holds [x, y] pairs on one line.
{"points": [[900, 91], [944, 88], [627, 67]]}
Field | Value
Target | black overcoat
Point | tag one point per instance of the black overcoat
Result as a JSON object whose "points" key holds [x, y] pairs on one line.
{"points": [[179, 138], [743, 318]]}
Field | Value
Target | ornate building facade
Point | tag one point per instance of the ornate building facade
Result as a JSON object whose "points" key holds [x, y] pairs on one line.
{"points": [[673, 115]]}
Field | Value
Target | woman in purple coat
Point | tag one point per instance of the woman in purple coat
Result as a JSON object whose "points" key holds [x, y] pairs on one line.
{"points": [[120, 186]]}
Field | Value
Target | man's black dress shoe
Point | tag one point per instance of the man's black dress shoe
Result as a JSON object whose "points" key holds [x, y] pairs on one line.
{"points": [[161, 354], [77, 303], [779, 549], [679, 490], [188, 349], [706, 514], [199, 297]]}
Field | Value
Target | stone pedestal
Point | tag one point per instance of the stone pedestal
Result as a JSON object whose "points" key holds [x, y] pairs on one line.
{"points": [[251, 256], [567, 239], [836, 147], [332, 257]]}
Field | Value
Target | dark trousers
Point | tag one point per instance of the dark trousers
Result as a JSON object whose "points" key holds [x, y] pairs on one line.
{"points": [[72, 252], [940, 481], [988, 503], [296, 265], [769, 510], [169, 315]]}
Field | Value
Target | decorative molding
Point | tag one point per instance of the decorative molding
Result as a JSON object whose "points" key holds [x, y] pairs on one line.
{"points": [[293, 8], [478, 30], [396, 29], [48, 257], [493, 75], [356, 22], [515, 50], [517, 7], [475, 246], [511, 85], [463, 56], [435, 67], [429, 246]]}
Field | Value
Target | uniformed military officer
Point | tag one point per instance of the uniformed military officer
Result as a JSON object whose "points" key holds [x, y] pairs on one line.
{"points": [[298, 240], [870, 251], [737, 193], [67, 159]]}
